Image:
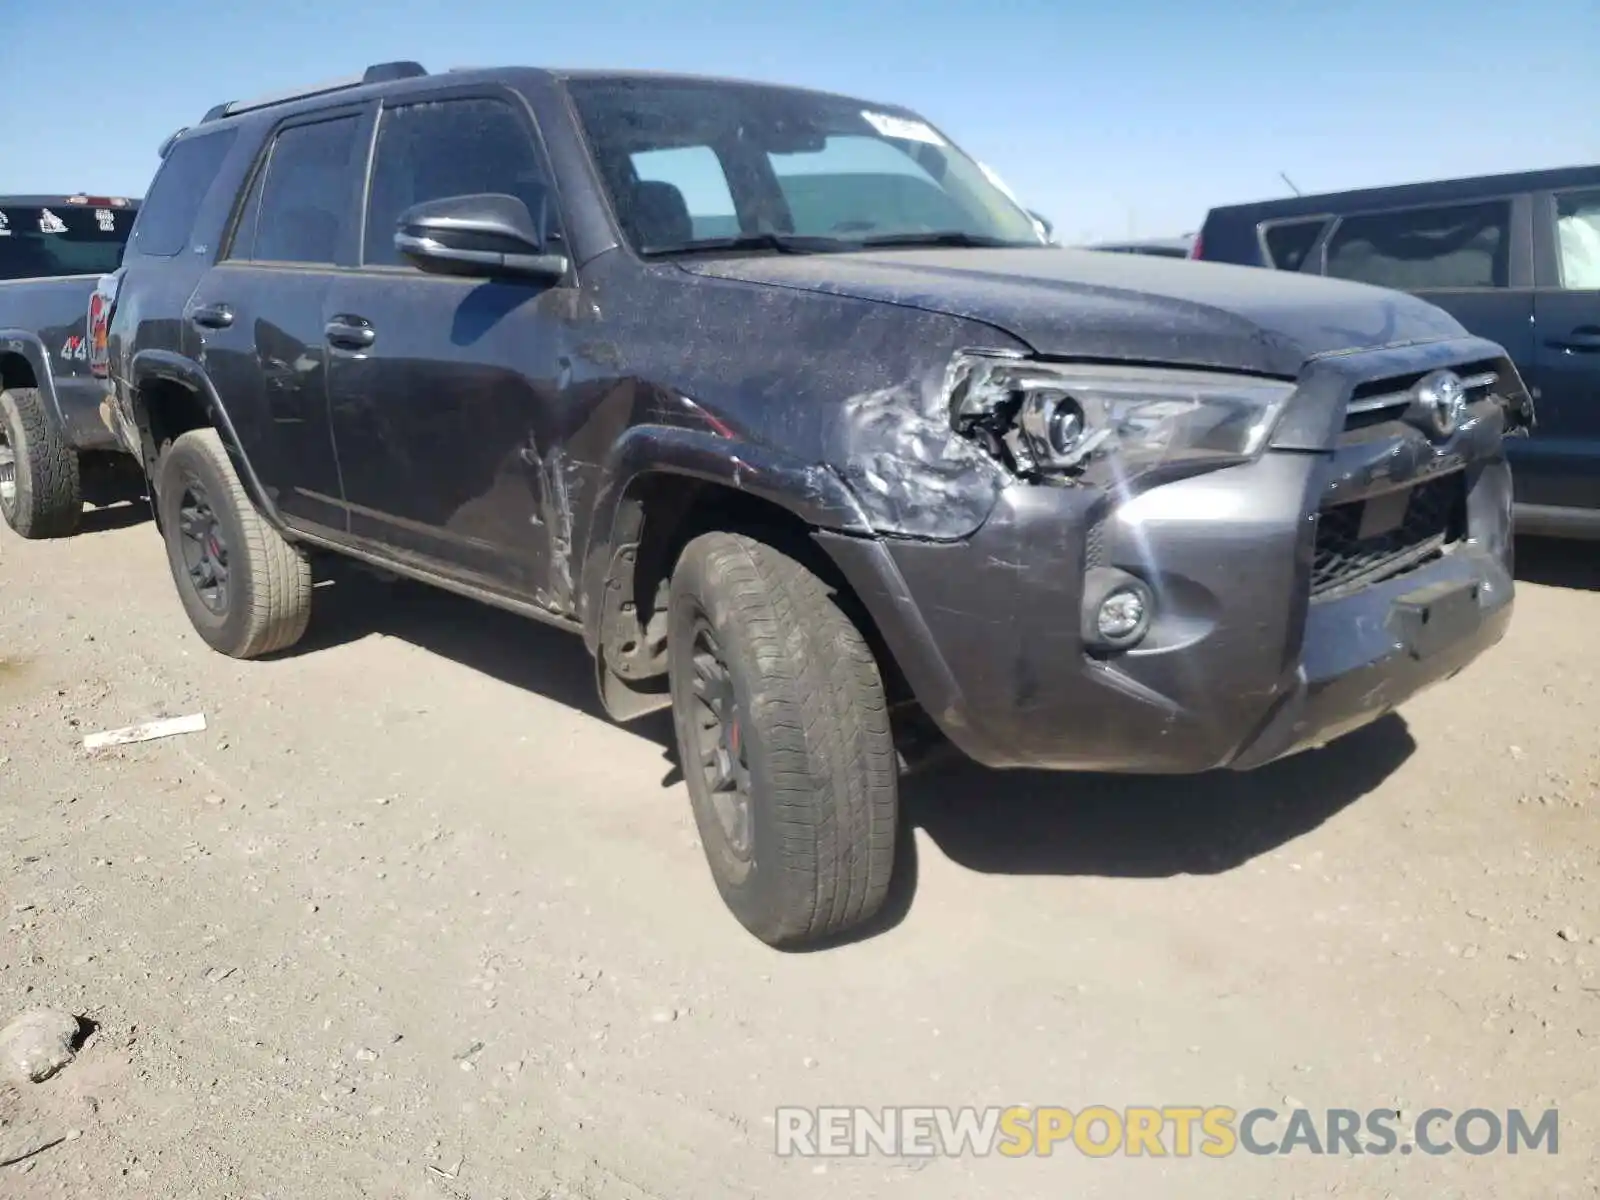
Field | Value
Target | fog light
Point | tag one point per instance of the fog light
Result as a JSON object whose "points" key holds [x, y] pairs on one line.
{"points": [[1121, 614], [1117, 609]]}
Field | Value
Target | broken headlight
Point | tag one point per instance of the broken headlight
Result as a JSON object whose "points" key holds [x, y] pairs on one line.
{"points": [[1059, 419]]}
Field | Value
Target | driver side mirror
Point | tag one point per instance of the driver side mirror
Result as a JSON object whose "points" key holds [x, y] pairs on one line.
{"points": [[1044, 224], [484, 236]]}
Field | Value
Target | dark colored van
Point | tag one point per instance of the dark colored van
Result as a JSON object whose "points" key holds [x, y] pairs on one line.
{"points": [[1176, 247], [1514, 258]]}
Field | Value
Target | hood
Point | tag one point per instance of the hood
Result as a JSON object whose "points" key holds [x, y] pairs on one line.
{"points": [[1118, 306]]}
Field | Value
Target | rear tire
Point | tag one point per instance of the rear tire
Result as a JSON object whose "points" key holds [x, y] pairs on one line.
{"points": [[247, 591], [784, 736], [42, 498]]}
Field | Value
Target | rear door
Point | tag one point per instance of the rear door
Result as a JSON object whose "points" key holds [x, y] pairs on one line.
{"points": [[1566, 366], [1474, 259], [259, 314]]}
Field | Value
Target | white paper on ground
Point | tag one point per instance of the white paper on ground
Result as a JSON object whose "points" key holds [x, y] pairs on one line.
{"points": [[147, 732]]}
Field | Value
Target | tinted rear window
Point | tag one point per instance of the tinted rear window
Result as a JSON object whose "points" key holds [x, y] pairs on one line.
{"points": [[41, 240], [181, 183]]}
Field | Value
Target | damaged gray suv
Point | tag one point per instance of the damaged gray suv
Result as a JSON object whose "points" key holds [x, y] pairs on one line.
{"points": [[787, 408]]}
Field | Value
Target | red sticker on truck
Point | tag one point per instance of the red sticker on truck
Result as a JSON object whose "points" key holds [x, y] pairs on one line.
{"points": [[99, 354]]}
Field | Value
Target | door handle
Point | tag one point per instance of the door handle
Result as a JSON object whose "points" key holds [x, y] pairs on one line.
{"points": [[1584, 339], [211, 316], [350, 333]]}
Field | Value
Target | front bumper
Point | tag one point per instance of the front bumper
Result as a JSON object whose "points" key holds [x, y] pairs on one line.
{"points": [[1242, 663]]}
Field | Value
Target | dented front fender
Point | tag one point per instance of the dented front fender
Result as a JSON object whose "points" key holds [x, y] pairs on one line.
{"points": [[910, 472]]}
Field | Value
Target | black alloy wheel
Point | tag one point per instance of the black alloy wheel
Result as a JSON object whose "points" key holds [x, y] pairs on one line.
{"points": [[722, 758], [204, 548]]}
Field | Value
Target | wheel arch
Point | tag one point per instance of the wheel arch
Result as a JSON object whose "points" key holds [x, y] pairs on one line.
{"points": [[25, 363], [666, 485], [170, 395]]}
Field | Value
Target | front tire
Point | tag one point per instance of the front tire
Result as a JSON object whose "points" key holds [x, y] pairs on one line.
{"points": [[247, 591], [783, 732], [40, 494]]}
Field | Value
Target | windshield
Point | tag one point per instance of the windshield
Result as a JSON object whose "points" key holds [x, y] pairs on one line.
{"points": [[690, 162], [38, 241]]}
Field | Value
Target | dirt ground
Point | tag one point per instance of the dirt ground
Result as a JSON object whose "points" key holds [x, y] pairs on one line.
{"points": [[409, 919]]}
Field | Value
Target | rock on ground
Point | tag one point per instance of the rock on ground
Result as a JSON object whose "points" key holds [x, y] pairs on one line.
{"points": [[38, 1044]]}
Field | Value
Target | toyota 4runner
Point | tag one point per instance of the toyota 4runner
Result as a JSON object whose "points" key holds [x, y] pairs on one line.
{"points": [[784, 406]]}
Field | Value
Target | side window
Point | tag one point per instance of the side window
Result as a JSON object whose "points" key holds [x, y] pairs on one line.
{"points": [[441, 148], [301, 203], [167, 215], [1460, 246], [1288, 242], [697, 173], [1578, 239]]}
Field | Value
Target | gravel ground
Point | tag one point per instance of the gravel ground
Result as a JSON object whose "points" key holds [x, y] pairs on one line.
{"points": [[410, 919]]}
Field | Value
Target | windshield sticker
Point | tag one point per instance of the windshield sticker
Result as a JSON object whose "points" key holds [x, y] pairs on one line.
{"points": [[50, 223], [902, 127], [5, 226], [107, 220]]}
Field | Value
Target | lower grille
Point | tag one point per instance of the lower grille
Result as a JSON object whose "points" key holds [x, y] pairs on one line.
{"points": [[1364, 541], [1094, 550]]}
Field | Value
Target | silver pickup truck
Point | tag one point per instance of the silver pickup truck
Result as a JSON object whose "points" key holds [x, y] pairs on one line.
{"points": [[56, 449]]}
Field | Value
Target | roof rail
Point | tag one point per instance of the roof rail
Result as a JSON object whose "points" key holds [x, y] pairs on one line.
{"points": [[389, 72]]}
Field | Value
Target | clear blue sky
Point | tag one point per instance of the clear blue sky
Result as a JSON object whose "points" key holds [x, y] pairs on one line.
{"points": [[1113, 117]]}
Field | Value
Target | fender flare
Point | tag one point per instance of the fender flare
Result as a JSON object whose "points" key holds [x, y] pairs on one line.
{"points": [[167, 366], [811, 492], [31, 348]]}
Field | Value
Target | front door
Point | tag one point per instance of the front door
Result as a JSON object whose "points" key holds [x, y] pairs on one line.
{"points": [[445, 392], [1567, 358]]}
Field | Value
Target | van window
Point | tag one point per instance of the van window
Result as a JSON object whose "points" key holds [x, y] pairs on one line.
{"points": [[1288, 242], [1578, 240], [1455, 246]]}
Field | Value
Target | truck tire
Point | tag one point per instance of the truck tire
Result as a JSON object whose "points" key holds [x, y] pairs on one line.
{"points": [[247, 591], [42, 497], [783, 733]]}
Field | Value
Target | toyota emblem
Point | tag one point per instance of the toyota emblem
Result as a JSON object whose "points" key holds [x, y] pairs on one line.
{"points": [[1442, 398]]}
